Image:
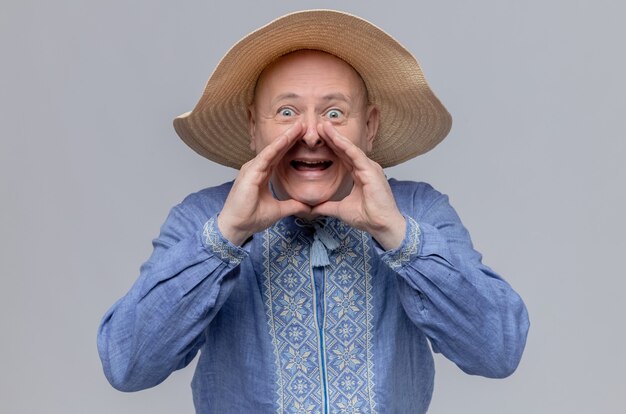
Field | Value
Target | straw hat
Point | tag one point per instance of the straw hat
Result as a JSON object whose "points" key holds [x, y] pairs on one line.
{"points": [[412, 120]]}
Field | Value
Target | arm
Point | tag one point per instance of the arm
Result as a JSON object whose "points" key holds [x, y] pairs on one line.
{"points": [[467, 311], [157, 326]]}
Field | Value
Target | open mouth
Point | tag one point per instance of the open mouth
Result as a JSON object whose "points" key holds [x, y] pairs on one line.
{"points": [[302, 165]]}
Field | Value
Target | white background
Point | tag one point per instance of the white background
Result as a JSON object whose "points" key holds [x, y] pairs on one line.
{"points": [[90, 165]]}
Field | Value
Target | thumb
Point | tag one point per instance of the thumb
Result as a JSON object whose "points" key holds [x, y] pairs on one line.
{"points": [[327, 208], [292, 207]]}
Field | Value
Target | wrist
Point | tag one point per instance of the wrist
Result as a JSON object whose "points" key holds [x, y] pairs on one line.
{"points": [[231, 232], [392, 233]]}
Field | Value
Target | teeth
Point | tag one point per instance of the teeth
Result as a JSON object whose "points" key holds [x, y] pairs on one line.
{"points": [[311, 164]]}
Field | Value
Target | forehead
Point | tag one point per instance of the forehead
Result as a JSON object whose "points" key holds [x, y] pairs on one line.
{"points": [[309, 66]]}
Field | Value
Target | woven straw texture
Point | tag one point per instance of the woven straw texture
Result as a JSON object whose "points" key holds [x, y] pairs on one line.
{"points": [[412, 120]]}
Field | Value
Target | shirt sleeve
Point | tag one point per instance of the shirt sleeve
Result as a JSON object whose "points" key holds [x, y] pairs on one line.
{"points": [[468, 312], [157, 327]]}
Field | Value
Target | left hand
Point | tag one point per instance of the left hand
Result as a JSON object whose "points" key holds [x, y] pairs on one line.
{"points": [[370, 206]]}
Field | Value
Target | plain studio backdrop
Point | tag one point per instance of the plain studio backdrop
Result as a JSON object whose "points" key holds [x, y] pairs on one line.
{"points": [[90, 165]]}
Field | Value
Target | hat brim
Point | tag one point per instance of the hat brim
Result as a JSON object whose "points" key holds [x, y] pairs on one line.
{"points": [[412, 119]]}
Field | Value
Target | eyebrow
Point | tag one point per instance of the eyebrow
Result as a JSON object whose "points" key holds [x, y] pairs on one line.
{"points": [[287, 95], [336, 97], [330, 97]]}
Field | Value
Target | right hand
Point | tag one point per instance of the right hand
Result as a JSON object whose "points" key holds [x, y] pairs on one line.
{"points": [[250, 206]]}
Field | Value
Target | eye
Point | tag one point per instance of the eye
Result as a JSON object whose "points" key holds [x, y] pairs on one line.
{"points": [[334, 114], [286, 112]]}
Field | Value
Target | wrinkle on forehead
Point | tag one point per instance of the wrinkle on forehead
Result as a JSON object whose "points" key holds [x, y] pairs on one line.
{"points": [[286, 59]]}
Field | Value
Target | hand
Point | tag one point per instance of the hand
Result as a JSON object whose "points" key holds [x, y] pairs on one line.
{"points": [[250, 206], [370, 206]]}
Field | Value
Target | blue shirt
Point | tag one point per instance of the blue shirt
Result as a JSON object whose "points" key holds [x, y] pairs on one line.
{"points": [[312, 317]]}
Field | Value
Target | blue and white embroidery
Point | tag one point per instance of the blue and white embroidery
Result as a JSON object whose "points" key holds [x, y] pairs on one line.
{"points": [[348, 324], [404, 254], [221, 247], [289, 296], [290, 301]]}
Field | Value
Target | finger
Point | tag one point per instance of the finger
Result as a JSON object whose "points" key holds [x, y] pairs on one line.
{"points": [[343, 147], [271, 154], [292, 207], [287, 140], [328, 208], [258, 168], [330, 142]]}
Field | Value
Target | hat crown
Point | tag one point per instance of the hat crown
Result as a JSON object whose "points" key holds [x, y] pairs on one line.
{"points": [[412, 120]]}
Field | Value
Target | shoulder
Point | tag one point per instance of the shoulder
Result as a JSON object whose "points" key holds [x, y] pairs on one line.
{"points": [[209, 197], [415, 196], [424, 203], [203, 204], [404, 186]]}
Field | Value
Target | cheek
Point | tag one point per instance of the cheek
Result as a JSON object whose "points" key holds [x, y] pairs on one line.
{"points": [[266, 133], [260, 140], [357, 134]]}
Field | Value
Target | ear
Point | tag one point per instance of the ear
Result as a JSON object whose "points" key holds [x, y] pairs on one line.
{"points": [[371, 124], [252, 127]]}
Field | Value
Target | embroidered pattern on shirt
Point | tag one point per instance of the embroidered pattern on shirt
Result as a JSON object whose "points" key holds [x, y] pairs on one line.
{"points": [[397, 258], [289, 295], [213, 239]]}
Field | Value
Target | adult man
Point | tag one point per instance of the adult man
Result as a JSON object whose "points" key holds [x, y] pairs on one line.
{"points": [[312, 283]]}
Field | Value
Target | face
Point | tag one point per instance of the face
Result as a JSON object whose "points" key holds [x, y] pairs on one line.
{"points": [[311, 88]]}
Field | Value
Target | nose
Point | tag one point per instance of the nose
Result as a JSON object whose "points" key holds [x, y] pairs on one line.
{"points": [[311, 137]]}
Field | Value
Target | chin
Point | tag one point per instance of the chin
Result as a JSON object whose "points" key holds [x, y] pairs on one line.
{"points": [[312, 193], [311, 199]]}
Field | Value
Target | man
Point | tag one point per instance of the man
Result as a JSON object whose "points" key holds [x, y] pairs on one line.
{"points": [[312, 284]]}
